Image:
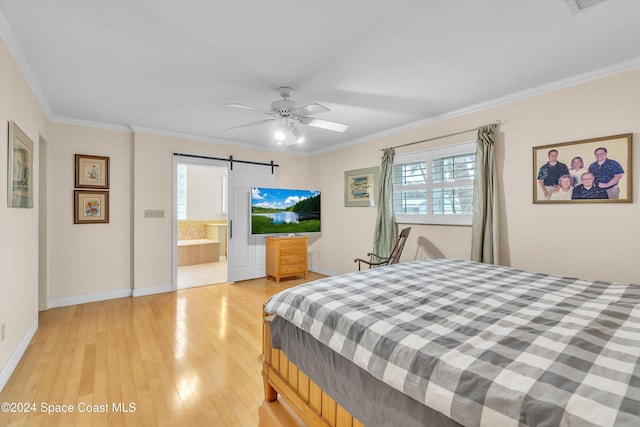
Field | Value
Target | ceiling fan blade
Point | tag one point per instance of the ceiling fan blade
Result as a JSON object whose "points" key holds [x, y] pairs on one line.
{"points": [[248, 125], [306, 110], [247, 107], [324, 124]]}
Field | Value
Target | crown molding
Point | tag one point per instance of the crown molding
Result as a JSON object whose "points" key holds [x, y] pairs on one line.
{"points": [[200, 138], [11, 42], [517, 96]]}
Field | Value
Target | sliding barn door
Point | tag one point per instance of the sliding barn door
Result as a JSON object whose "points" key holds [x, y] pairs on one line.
{"points": [[247, 253]]}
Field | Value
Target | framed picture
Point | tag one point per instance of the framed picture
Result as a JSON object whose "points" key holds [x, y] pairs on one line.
{"points": [[90, 207], [92, 171], [361, 187], [594, 170], [20, 169]]}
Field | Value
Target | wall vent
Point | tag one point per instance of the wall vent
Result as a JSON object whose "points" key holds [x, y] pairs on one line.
{"points": [[576, 6]]}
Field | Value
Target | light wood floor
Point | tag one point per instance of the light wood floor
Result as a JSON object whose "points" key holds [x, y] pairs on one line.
{"points": [[191, 357]]}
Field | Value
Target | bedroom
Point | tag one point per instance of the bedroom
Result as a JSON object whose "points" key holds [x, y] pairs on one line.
{"points": [[132, 249]]}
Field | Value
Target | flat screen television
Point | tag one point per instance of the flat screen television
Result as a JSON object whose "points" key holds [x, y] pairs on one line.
{"points": [[284, 211]]}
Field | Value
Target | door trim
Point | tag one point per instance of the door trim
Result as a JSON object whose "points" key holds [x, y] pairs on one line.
{"points": [[190, 160]]}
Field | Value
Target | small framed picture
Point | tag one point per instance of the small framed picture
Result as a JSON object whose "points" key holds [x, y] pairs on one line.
{"points": [[360, 187], [92, 171], [20, 168], [90, 207], [596, 170]]}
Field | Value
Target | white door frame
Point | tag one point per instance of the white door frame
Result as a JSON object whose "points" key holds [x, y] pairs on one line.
{"points": [[246, 254], [202, 161]]}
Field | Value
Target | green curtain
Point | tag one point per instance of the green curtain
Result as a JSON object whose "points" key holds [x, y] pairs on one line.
{"points": [[483, 247], [385, 234]]}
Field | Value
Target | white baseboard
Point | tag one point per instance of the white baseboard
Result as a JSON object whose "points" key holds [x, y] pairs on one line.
{"points": [[10, 366], [83, 299], [324, 271], [152, 290], [103, 296]]}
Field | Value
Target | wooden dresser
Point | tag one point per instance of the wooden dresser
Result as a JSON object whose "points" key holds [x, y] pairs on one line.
{"points": [[287, 256]]}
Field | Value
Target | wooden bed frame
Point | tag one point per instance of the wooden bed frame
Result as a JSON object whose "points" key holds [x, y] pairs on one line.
{"points": [[311, 403]]}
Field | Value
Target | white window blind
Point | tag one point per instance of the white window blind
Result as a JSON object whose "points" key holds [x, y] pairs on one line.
{"points": [[182, 191], [435, 186]]}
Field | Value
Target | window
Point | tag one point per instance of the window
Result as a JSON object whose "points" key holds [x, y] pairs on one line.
{"points": [[435, 186], [182, 191]]}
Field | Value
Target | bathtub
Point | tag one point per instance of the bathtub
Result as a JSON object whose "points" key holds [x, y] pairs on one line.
{"points": [[198, 251]]}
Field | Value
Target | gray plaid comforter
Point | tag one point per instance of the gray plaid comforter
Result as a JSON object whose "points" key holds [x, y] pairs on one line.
{"points": [[485, 345]]}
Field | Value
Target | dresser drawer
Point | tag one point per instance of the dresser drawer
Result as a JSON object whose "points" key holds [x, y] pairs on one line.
{"points": [[287, 243], [291, 250], [286, 270], [292, 259]]}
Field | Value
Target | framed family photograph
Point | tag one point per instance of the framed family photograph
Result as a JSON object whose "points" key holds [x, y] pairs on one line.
{"points": [[360, 186], [90, 207], [596, 170], [20, 169], [92, 171]]}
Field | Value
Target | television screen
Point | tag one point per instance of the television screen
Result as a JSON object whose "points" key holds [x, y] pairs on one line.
{"points": [[284, 211]]}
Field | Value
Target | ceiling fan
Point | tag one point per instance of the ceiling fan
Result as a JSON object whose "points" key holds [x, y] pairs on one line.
{"points": [[287, 113]]}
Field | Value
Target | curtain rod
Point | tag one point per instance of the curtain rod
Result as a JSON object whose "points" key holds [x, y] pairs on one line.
{"points": [[230, 159], [496, 123]]}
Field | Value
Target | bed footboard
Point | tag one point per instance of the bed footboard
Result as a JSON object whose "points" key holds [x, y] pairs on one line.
{"points": [[310, 402]]}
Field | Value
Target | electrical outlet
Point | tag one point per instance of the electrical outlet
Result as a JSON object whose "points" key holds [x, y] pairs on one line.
{"points": [[2, 333]]}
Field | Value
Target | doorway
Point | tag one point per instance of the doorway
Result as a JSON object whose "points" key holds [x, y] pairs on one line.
{"points": [[245, 254], [200, 222]]}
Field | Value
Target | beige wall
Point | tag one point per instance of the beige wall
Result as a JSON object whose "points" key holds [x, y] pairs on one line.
{"points": [[86, 260], [18, 226], [594, 241], [205, 193]]}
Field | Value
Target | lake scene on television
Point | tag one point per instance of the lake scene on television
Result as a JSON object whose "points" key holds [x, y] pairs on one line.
{"points": [[284, 211]]}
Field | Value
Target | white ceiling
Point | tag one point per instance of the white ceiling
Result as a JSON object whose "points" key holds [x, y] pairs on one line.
{"points": [[171, 66]]}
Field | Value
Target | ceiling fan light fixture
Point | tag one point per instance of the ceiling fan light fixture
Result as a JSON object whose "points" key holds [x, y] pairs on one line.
{"points": [[287, 114], [299, 136], [280, 133]]}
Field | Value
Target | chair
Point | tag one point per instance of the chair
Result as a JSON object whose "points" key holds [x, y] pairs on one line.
{"points": [[377, 260]]}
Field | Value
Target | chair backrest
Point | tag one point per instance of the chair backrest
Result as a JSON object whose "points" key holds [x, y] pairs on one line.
{"points": [[394, 258]]}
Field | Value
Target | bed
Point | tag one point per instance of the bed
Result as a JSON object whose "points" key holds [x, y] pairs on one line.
{"points": [[454, 342]]}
